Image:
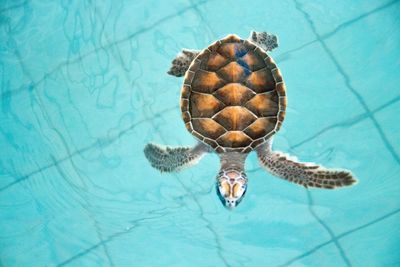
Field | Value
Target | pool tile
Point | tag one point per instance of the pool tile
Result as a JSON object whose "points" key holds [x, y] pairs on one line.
{"points": [[370, 64], [376, 244], [78, 108], [374, 167], [388, 120], [243, 17], [328, 256], [316, 93], [36, 225], [329, 15]]}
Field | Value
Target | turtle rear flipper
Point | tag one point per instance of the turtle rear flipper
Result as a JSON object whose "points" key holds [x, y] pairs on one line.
{"points": [[182, 62], [305, 174], [266, 41], [172, 159]]}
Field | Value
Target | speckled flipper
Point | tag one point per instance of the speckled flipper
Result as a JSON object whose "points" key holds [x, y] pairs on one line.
{"points": [[169, 159], [305, 174], [182, 62], [266, 41]]}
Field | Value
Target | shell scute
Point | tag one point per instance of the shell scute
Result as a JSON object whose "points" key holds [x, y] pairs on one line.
{"points": [[204, 105], [206, 82], [261, 81], [253, 61], [281, 89], [212, 61], [208, 127], [270, 63], [260, 127], [233, 97], [234, 94], [264, 105], [234, 139], [232, 50], [233, 72], [234, 118]]}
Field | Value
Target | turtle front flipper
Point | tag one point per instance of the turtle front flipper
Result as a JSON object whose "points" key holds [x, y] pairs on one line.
{"points": [[305, 174], [266, 41], [172, 159], [182, 62]]}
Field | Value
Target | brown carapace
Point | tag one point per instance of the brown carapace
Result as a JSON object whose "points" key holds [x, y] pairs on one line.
{"points": [[233, 97]]}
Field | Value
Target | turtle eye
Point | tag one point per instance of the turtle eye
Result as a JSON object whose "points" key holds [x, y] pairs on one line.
{"points": [[237, 190], [242, 180], [225, 189]]}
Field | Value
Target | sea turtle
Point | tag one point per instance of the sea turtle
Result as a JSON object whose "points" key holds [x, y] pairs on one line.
{"points": [[233, 101]]}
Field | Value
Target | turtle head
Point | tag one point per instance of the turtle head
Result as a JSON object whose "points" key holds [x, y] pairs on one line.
{"points": [[231, 187]]}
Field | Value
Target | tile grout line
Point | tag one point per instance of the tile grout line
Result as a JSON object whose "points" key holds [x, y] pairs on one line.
{"points": [[349, 122], [363, 103], [92, 217], [348, 84], [326, 227], [70, 156], [208, 223], [134, 224], [353, 20], [188, 191], [310, 199], [13, 7], [104, 142], [31, 86], [207, 25], [392, 2], [340, 27], [100, 142], [145, 29], [359, 98], [340, 236], [288, 52], [361, 117], [102, 32], [201, 210], [57, 166]]}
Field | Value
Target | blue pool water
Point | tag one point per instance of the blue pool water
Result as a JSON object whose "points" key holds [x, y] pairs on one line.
{"points": [[84, 88]]}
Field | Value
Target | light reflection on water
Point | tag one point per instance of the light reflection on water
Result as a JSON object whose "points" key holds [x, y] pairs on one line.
{"points": [[84, 87]]}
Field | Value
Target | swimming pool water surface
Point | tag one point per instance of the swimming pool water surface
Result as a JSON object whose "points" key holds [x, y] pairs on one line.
{"points": [[84, 87]]}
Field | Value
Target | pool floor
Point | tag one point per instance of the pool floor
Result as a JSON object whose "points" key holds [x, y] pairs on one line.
{"points": [[84, 88]]}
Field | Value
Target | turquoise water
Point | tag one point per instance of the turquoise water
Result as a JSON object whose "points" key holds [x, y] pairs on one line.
{"points": [[84, 87]]}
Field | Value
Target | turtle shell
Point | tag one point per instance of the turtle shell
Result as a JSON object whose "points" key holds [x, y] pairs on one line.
{"points": [[233, 97]]}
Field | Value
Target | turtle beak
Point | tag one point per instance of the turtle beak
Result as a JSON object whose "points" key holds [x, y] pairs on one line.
{"points": [[230, 204]]}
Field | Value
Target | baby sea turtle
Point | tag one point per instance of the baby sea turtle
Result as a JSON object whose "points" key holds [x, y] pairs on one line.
{"points": [[233, 101]]}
